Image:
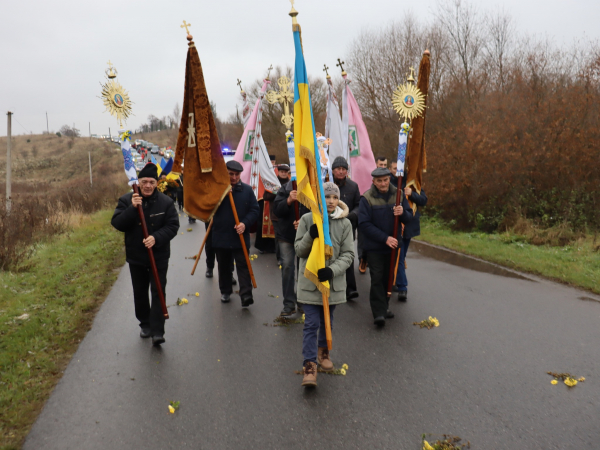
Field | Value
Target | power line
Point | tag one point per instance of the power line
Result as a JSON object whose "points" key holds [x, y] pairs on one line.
{"points": [[26, 130]]}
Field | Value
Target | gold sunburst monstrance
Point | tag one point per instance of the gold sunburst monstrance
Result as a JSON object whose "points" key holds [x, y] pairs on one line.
{"points": [[116, 100], [408, 101]]}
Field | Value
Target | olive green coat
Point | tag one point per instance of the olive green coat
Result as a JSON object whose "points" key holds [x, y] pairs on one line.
{"points": [[340, 231]]}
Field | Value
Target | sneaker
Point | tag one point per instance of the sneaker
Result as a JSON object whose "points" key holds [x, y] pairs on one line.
{"points": [[209, 273], [145, 333], [287, 312], [310, 374], [299, 308], [402, 296], [247, 302], [158, 340]]}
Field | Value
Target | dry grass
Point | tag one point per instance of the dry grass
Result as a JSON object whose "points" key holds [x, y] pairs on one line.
{"points": [[162, 138]]}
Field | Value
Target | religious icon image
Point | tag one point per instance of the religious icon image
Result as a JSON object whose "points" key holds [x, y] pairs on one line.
{"points": [[118, 100], [409, 100]]}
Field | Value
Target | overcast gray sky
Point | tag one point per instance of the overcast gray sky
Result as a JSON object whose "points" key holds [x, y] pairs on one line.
{"points": [[53, 53]]}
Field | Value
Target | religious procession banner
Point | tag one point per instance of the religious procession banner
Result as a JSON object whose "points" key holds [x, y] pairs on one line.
{"points": [[252, 153], [416, 159], [245, 109], [358, 145], [206, 181], [333, 125], [308, 165], [125, 138]]}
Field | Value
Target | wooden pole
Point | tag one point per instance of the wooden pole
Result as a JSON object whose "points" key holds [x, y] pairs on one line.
{"points": [[47, 127], [237, 222], [202, 246], [391, 276], [90, 156], [296, 205], [8, 161], [327, 318], [161, 296]]}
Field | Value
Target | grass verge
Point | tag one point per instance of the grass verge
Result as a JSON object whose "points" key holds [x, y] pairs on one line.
{"points": [[44, 314], [576, 264]]}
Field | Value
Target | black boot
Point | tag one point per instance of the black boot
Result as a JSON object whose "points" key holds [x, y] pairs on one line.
{"points": [[209, 273]]}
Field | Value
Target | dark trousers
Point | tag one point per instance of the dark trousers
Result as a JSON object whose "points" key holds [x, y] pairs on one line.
{"points": [[149, 316], [225, 258], [314, 330], [401, 280], [288, 275], [350, 279], [379, 269], [210, 252]]}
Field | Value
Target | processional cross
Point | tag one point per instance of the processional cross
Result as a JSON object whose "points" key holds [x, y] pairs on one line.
{"points": [[239, 83], [285, 96], [340, 64], [325, 69], [186, 25]]}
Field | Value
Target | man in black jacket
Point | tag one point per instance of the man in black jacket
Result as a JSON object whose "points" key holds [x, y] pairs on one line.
{"points": [[285, 233], [162, 221], [411, 230], [225, 235], [376, 221], [350, 195]]}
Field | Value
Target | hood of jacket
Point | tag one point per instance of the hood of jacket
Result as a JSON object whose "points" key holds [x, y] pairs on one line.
{"points": [[340, 212]]}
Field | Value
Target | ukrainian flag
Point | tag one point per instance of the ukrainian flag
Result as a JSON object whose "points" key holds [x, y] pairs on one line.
{"points": [[308, 169]]}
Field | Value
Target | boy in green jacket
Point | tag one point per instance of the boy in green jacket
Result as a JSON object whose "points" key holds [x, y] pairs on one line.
{"points": [[314, 345]]}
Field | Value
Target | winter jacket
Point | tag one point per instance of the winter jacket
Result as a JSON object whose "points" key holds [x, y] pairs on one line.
{"points": [[162, 221], [286, 214], [340, 231], [350, 195], [376, 218], [223, 231]]}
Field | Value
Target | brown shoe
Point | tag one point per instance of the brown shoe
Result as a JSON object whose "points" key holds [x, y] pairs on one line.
{"points": [[362, 268], [310, 374], [323, 359]]}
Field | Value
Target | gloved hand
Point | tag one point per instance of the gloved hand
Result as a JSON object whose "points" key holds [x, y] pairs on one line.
{"points": [[325, 274], [313, 231]]}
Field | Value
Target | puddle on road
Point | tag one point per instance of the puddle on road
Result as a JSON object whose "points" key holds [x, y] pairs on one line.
{"points": [[456, 259]]}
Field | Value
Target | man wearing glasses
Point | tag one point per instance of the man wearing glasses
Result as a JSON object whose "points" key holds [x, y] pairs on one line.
{"points": [[162, 221]]}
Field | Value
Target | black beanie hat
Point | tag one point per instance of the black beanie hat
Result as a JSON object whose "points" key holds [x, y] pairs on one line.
{"points": [[149, 171], [340, 161]]}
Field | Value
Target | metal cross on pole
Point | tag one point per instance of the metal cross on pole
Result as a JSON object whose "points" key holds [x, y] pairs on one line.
{"points": [[340, 64], [239, 83], [285, 96], [186, 25], [269, 72], [325, 69]]}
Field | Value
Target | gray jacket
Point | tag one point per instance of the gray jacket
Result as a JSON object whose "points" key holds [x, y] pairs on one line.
{"points": [[340, 231]]}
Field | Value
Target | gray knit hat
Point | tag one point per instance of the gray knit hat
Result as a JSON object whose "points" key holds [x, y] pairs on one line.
{"points": [[331, 189], [340, 161]]}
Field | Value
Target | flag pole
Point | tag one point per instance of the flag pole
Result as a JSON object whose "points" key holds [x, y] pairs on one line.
{"points": [[202, 246], [391, 276], [161, 296], [237, 222]]}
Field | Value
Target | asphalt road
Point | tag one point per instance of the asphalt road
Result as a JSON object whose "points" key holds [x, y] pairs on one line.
{"points": [[480, 375]]}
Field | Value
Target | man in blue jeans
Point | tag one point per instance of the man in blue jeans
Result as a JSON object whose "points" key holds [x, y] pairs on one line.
{"points": [[411, 229]]}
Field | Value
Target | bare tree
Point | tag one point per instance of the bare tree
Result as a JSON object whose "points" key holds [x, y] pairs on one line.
{"points": [[176, 115], [501, 29]]}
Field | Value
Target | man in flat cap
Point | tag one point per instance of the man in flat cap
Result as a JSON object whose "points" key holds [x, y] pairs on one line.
{"points": [[225, 235], [350, 195], [376, 221], [162, 221]]}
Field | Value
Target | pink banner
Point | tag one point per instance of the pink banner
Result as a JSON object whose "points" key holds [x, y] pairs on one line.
{"points": [[362, 161]]}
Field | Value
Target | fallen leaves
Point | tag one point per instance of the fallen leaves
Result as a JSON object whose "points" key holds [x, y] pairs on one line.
{"points": [[182, 301], [428, 323], [190, 229], [448, 443], [253, 257], [197, 294], [23, 317]]}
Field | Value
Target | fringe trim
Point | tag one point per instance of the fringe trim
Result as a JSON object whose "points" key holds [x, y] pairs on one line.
{"points": [[315, 280], [309, 155], [214, 209]]}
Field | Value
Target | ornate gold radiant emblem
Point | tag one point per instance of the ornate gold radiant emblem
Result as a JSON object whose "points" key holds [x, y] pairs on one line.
{"points": [[116, 99], [408, 100]]}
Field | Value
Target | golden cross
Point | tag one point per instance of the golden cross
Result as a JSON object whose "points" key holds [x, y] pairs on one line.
{"points": [[239, 83], [325, 69], [109, 63], [285, 96], [340, 64], [186, 25], [269, 72], [292, 2]]}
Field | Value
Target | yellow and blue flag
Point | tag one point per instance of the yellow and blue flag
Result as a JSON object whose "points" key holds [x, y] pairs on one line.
{"points": [[308, 169]]}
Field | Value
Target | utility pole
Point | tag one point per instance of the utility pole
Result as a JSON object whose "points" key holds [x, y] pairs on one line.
{"points": [[109, 135], [90, 125], [47, 127], [8, 163], [90, 155]]}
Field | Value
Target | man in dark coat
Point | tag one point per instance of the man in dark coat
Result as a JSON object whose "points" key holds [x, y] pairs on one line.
{"points": [[162, 221], [285, 233], [350, 195], [283, 176], [376, 221], [225, 235], [411, 230]]}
